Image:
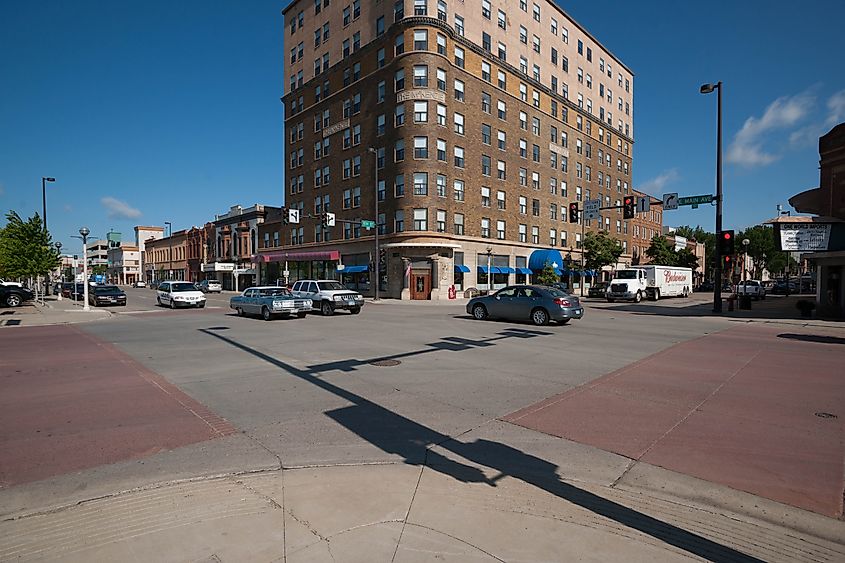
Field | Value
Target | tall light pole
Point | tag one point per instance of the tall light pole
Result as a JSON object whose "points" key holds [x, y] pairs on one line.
{"points": [[376, 265], [61, 268], [169, 226], [745, 243], [84, 231], [717, 287], [44, 181], [489, 270]]}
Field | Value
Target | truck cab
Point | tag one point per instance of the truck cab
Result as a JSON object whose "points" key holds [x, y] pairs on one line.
{"points": [[628, 284]]}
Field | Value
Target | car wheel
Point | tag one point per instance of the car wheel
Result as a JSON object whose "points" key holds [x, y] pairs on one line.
{"points": [[265, 314], [240, 312], [479, 312], [201, 305], [638, 297], [611, 300], [763, 297], [158, 301], [540, 317], [13, 300], [656, 295], [172, 303], [301, 315], [327, 309], [355, 310]]}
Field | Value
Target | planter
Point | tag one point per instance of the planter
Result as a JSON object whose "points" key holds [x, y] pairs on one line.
{"points": [[805, 307]]}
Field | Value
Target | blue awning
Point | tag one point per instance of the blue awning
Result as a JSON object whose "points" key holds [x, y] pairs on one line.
{"points": [[493, 269], [461, 268], [525, 271], [354, 269], [539, 258], [506, 270]]}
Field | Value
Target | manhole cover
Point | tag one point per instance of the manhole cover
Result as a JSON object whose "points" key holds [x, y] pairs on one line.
{"points": [[825, 415], [385, 363]]}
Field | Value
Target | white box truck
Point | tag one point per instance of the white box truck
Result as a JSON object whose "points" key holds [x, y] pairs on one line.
{"points": [[652, 282]]}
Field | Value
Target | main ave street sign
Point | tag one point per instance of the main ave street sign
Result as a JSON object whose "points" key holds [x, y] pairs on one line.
{"points": [[695, 200]]}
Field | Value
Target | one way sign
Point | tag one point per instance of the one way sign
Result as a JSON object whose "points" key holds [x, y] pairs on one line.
{"points": [[670, 201]]}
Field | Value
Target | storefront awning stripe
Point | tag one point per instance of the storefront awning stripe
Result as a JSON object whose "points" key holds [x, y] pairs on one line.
{"points": [[525, 271], [298, 256], [461, 268], [354, 269]]}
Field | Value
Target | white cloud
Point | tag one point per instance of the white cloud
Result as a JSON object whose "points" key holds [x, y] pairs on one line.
{"points": [[119, 209], [656, 185], [836, 106], [747, 148]]}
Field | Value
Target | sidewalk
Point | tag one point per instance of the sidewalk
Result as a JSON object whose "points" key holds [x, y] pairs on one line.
{"points": [[51, 312]]}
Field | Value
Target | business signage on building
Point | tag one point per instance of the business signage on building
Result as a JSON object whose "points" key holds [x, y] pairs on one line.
{"points": [[218, 267], [435, 95], [804, 237], [559, 150], [332, 129], [680, 242]]}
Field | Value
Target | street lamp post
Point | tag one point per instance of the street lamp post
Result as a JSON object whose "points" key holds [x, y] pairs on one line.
{"points": [[61, 268], [44, 181], [169, 226], [489, 270], [376, 265], [745, 243], [84, 231], [717, 289]]}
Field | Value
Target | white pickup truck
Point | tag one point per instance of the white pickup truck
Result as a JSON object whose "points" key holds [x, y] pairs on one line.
{"points": [[653, 282]]}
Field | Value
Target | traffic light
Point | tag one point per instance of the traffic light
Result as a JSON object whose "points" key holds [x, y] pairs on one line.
{"points": [[628, 207], [285, 216], [327, 219], [573, 212], [726, 243], [727, 263]]}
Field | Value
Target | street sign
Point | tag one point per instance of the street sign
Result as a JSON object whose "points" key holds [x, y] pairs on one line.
{"points": [[695, 200], [591, 208], [643, 204], [670, 201], [330, 221], [293, 215], [368, 224]]}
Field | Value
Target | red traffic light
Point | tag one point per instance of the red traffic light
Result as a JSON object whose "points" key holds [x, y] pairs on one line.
{"points": [[727, 236], [629, 200]]}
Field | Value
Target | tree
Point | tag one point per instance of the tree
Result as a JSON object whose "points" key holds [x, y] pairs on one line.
{"points": [[547, 275], [26, 249], [660, 252], [98, 269], [600, 250], [698, 234], [686, 258], [762, 248]]}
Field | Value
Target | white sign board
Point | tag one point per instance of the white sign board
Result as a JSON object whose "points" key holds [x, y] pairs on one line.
{"points": [[804, 237], [680, 242], [670, 201], [643, 204], [293, 215], [591, 208]]}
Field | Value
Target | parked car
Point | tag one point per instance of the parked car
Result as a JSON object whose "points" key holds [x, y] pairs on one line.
{"points": [[179, 294], [139, 283], [539, 304], [597, 289], [210, 286], [780, 287], [705, 286], [269, 302], [106, 295], [329, 295], [14, 295], [9, 282], [752, 288]]}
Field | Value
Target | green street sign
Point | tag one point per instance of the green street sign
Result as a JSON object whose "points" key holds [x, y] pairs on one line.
{"points": [[695, 200], [368, 224]]}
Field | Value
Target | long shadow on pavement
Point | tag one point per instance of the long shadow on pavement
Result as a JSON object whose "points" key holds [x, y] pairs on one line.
{"points": [[396, 434]]}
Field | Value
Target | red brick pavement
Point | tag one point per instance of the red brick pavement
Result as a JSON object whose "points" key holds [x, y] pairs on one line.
{"points": [[69, 401], [737, 408]]}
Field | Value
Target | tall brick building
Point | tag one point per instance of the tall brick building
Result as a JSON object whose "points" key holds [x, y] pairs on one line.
{"points": [[486, 119]]}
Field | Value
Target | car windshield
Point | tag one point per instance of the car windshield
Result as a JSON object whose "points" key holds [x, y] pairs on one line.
{"points": [[331, 286], [272, 291], [183, 287], [107, 290], [626, 274]]}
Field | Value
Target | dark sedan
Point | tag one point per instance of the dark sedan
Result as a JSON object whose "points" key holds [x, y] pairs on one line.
{"points": [[106, 295], [14, 295], [538, 304]]}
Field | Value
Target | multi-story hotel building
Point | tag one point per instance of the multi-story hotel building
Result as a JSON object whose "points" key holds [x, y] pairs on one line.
{"points": [[475, 123]]}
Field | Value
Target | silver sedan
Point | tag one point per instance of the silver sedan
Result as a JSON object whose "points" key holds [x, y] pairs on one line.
{"points": [[539, 304]]}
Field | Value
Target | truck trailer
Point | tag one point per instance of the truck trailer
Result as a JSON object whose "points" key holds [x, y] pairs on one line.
{"points": [[652, 282]]}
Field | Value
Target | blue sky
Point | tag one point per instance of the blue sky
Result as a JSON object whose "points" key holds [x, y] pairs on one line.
{"points": [[158, 111]]}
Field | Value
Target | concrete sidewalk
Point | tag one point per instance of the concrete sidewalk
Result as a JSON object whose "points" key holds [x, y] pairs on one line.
{"points": [[51, 312]]}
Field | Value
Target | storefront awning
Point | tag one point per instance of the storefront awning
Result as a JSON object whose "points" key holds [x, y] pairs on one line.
{"points": [[525, 271], [462, 268], [354, 269], [493, 270], [506, 270], [304, 256], [539, 258]]}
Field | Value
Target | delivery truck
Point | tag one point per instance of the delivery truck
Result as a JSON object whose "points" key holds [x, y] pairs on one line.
{"points": [[652, 282]]}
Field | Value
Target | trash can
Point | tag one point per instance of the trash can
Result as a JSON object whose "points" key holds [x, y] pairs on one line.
{"points": [[745, 302]]}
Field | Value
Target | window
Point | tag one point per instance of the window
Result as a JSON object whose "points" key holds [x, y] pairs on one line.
{"points": [[523, 120], [535, 153], [441, 115], [399, 150], [459, 90], [523, 205], [459, 25], [485, 165], [399, 46], [459, 157], [459, 123], [399, 186], [535, 207], [420, 40], [420, 76], [380, 58], [501, 172], [486, 41], [523, 65], [398, 10], [500, 230], [441, 10], [485, 227], [485, 9], [535, 235], [536, 12], [500, 140], [420, 183], [441, 79], [523, 148], [553, 211], [441, 44], [459, 57], [380, 26], [420, 112], [399, 220], [485, 71], [399, 80], [380, 91], [580, 47], [500, 200], [356, 135], [502, 51], [441, 150], [441, 221], [535, 180], [420, 8], [458, 188], [399, 115], [503, 20], [502, 109], [552, 237], [523, 177], [523, 92], [458, 220], [523, 232], [486, 134], [441, 185], [485, 196], [420, 147], [535, 125], [535, 43], [485, 102]]}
